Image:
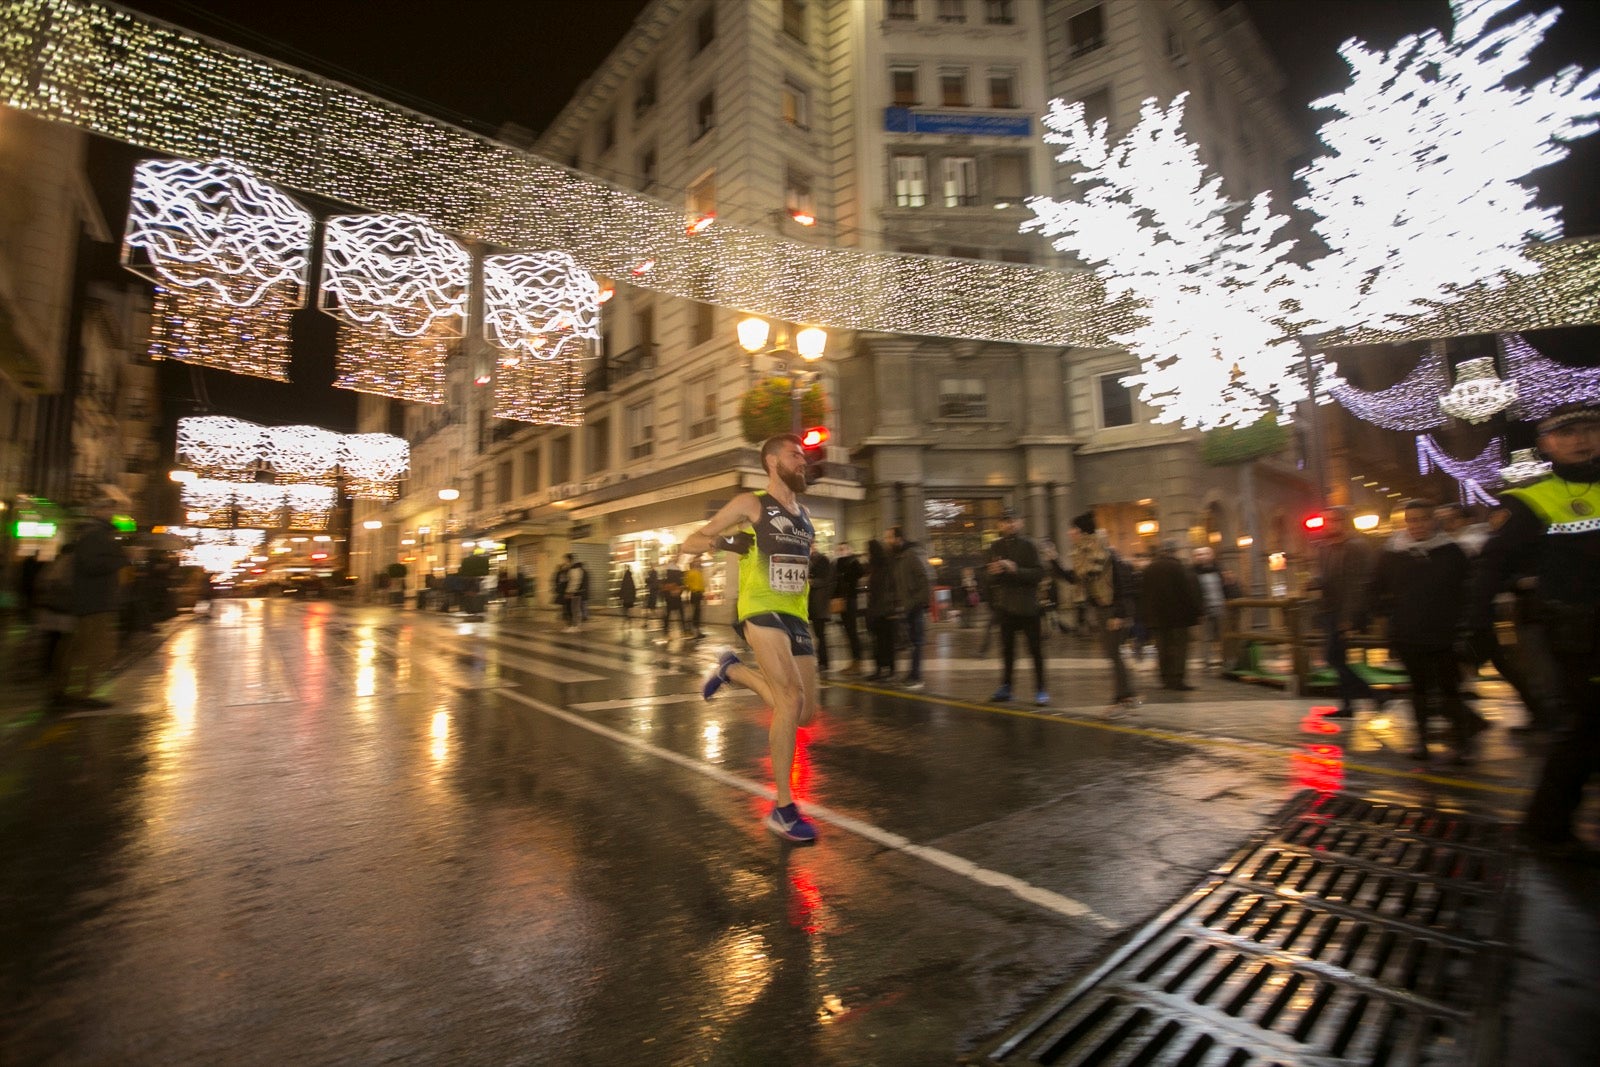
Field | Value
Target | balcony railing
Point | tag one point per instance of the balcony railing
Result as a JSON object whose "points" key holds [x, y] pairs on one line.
{"points": [[611, 371]]}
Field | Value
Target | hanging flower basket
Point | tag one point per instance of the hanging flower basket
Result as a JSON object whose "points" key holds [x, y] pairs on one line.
{"points": [[766, 409], [1230, 446]]}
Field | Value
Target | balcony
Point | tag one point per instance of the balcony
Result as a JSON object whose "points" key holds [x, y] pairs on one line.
{"points": [[612, 371]]}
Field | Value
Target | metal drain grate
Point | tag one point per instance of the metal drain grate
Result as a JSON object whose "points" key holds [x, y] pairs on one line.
{"points": [[1349, 931]]}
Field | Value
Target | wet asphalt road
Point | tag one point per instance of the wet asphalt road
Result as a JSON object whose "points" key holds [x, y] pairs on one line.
{"points": [[321, 834]]}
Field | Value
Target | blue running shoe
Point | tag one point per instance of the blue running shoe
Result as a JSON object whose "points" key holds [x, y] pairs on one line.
{"points": [[719, 674], [789, 824], [1002, 694], [1041, 698]]}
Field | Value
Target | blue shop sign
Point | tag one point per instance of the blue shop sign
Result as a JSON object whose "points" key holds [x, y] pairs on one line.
{"points": [[975, 124]]}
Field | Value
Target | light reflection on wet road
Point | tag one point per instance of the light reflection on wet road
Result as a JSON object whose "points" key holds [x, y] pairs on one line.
{"points": [[322, 834]]}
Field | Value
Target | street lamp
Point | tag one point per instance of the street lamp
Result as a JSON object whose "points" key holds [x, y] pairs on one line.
{"points": [[449, 496], [808, 342]]}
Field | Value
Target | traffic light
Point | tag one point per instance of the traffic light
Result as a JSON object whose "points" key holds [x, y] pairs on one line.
{"points": [[814, 441], [1315, 524]]}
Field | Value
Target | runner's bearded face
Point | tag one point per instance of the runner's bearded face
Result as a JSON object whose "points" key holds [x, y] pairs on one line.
{"points": [[790, 467]]}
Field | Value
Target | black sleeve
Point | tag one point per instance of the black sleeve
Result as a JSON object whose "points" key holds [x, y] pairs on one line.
{"points": [[1517, 536]]}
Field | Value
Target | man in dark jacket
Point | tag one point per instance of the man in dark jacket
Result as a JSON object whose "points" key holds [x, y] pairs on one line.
{"points": [[97, 562], [818, 595], [847, 574], [1344, 568], [1420, 584], [1170, 603], [913, 590], [1104, 582], [1015, 570]]}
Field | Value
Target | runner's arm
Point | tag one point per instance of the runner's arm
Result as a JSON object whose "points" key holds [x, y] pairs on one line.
{"points": [[741, 510]]}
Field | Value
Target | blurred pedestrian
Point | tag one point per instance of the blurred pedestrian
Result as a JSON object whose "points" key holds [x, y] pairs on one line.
{"points": [[881, 607], [913, 590], [1105, 582], [98, 560], [575, 584], [694, 586], [847, 574], [1345, 562], [1171, 603], [1420, 584], [1214, 597], [819, 596], [627, 593], [652, 592], [672, 601], [1015, 570], [970, 598]]}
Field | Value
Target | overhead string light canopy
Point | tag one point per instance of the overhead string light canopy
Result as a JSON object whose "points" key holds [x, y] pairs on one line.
{"points": [[373, 464], [223, 449], [302, 454], [230, 258], [131, 78], [1410, 404], [399, 289], [1542, 383], [220, 447], [541, 312]]}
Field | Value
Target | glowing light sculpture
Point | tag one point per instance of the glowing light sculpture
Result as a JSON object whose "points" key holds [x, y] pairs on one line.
{"points": [[1479, 393], [540, 311], [1543, 384], [1472, 475], [373, 464], [230, 256], [219, 447], [399, 290], [212, 498], [1209, 283], [1410, 404], [302, 453], [1422, 193], [1525, 467], [308, 505], [259, 505]]}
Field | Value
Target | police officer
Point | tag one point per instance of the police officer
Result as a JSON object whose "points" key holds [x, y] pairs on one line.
{"points": [[1554, 526]]}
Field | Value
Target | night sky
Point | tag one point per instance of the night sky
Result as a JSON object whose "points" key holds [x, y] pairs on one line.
{"points": [[483, 63]]}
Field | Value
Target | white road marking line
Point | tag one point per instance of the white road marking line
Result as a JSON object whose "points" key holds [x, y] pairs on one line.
{"points": [[549, 647], [1032, 894], [637, 702]]}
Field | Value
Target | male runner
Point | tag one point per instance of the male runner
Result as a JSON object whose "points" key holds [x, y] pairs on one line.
{"points": [[772, 612]]}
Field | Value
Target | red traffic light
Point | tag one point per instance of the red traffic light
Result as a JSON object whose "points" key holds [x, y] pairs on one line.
{"points": [[814, 438], [1315, 523]]}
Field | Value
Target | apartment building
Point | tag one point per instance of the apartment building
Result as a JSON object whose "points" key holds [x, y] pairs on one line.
{"points": [[903, 125]]}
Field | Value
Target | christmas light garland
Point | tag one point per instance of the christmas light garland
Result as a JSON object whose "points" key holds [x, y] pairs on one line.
{"points": [[540, 312], [1543, 384], [1410, 404], [225, 450], [1475, 476]]}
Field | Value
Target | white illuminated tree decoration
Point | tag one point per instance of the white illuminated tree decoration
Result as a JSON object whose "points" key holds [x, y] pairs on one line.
{"points": [[230, 256], [399, 289], [1422, 198], [1422, 193], [540, 311], [1208, 274], [302, 453], [373, 464], [217, 446]]}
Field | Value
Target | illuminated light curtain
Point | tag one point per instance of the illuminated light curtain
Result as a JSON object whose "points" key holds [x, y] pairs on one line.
{"points": [[230, 257], [1543, 384], [373, 464], [1410, 404], [209, 502], [217, 446], [309, 505], [540, 312], [221, 551], [259, 505], [302, 453], [399, 290], [1475, 477]]}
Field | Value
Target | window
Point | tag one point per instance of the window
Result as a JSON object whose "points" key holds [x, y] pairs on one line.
{"points": [[1016, 255], [705, 29], [960, 181], [641, 430], [1086, 32], [794, 19], [1096, 107], [477, 491], [644, 94], [502, 481], [903, 10], [647, 167], [910, 181], [644, 325], [1175, 47], [952, 10], [561, 459], [797, 198], [599, 445], [796, 104], [1116, 401], [703, 326], [1008, 177], [530, 471], [705, 115], [1002, 88], [606, 137], [963, 398], [700, 407], [903, 86], [953, 87], [999, 12], [702, 198]]}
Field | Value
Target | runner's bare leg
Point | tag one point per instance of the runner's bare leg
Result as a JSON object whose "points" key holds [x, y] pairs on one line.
{"points": [[779, 681]]}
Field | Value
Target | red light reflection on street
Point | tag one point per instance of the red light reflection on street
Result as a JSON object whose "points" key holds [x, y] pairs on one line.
{"points": [[1319, 767], [1317, 722], [805, 903]]}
